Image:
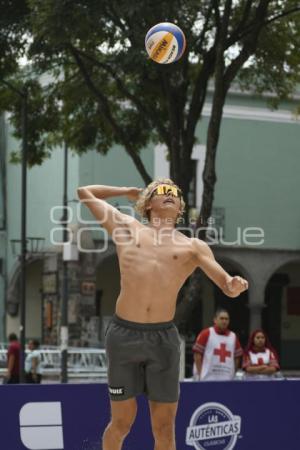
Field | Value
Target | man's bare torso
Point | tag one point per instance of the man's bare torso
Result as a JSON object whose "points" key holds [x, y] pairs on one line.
{"points": [[153, 264], [156, 260]]}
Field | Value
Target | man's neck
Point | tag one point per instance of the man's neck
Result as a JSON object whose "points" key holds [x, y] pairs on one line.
{"points": [[165, 223], [221, 331]]}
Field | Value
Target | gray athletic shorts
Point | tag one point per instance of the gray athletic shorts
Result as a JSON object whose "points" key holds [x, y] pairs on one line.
{"points": [[143, 358]]}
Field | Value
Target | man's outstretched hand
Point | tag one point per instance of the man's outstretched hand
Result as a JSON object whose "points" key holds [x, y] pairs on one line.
{"points": [[236, 285]]}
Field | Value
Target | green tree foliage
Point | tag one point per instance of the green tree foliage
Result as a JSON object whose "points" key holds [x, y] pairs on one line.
{"points": [[12, 34], [90, 82]]}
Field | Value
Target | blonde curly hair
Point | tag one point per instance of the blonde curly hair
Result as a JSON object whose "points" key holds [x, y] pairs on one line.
{"points": [[144, 198]]}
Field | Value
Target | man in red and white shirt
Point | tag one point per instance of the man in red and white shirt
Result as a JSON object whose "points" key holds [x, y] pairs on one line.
{"points": [[217, 351]]}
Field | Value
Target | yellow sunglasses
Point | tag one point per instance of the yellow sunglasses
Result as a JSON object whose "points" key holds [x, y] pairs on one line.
{"points": [[167, 189]]}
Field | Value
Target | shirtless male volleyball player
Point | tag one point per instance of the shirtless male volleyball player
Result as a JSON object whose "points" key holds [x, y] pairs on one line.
{"points": [[142, 343]]}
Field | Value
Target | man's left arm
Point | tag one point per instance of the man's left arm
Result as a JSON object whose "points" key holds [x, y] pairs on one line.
{"points": [[231, 286]]}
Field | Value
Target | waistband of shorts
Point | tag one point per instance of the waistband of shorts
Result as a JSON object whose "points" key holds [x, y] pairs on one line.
{"points": [[143, 326]]}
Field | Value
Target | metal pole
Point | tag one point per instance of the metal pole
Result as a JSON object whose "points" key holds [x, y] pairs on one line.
{"points": [[4, 220], [23, 238], [64, 332]]}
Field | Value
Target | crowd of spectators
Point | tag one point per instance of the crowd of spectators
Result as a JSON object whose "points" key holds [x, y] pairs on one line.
{"points": [[33, 374]]}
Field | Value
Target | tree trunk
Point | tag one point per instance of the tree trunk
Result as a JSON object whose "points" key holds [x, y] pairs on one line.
{"points": [[137, 161], [209, 172], [181, 173]]}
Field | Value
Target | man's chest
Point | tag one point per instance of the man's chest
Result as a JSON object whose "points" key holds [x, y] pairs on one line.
{"points": [[164, 251]]}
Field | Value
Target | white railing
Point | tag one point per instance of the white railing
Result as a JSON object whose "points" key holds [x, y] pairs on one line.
{"points": [[89, 362]]}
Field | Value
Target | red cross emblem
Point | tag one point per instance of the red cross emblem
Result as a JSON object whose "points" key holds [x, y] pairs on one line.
{"points": [[222, 353]]}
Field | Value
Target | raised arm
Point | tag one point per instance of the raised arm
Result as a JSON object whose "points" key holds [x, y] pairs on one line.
{"points": [[94, 197], [231, 286]]}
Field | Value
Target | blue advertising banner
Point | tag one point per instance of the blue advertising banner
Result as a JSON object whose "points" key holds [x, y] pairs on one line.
{"points": [[242, 415]]}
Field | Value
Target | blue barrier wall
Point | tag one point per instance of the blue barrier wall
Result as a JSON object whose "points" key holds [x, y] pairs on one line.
{"points": [[246, 415]]}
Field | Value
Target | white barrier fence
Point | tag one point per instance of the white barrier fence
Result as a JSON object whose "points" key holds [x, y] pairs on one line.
{"points": [[82, 362]]}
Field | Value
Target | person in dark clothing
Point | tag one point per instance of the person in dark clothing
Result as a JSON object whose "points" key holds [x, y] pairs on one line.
{"points": [[13, 360]]}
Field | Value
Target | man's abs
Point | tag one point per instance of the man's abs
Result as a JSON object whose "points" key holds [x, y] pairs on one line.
{"points": [[144, 302]]}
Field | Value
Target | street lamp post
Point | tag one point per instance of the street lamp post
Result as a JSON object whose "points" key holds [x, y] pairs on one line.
{"points": [[24, 98], [64, 334], [23, 237]]}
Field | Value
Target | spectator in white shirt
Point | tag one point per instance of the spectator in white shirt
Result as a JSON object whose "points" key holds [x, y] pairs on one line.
{"points": [[33, 363]]}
